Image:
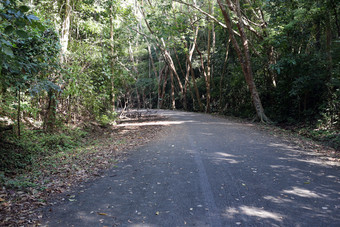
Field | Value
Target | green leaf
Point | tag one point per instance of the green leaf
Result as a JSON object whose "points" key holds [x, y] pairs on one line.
{"points": [[22, 33], [40, 26], [7, 50], [9, 29], [20, 23], [24, 9], [32, 17]]}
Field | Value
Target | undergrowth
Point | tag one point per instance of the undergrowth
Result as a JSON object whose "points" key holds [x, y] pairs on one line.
{"points": [[328, 137], [22, 158]]}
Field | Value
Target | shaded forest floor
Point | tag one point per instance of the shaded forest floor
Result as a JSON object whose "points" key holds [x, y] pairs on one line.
{"points": [[64, 164]]}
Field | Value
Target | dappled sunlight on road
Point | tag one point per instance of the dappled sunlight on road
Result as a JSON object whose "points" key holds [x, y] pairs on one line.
{"points": [[313, 157], [253, 212], [153, 123], [225, 154], [277, 199], [220, 157], [303, 193], [259, 212], [321, 162]]}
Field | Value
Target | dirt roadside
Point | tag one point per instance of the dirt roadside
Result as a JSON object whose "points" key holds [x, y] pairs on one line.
{"points": [[20, 207]]}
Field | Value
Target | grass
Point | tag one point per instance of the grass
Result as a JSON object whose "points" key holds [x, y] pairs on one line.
{"points": [[26, 158]]}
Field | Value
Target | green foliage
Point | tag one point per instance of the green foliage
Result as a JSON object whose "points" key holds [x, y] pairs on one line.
{"points": [[300, 85], [19, 154], [107, 118]]}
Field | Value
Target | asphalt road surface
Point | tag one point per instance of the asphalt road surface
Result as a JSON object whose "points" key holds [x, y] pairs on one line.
{"points": [[208, 171]]}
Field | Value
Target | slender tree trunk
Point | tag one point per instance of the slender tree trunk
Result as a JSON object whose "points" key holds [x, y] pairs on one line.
{"points": [[152, 61], [184, 90], [222, 75], [112, 62], [18, 113], [328, 47], [166, 71], [188, 61], [172, 67], [195, 85], [65, 29], [207, 81], [160, 79], [213, 47], [207, 76], [50, 115], [173, 102], [244, 56], [336, 17]]}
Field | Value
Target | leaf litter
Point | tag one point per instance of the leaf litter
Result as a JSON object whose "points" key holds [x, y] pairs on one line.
{"points": [[107, 145]]}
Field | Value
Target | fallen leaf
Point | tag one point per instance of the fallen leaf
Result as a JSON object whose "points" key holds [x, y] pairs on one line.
{"points": [[102, 214], [157, 213]]}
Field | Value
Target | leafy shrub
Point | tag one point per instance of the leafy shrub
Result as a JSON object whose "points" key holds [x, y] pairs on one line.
{"points": [[107, 118]]}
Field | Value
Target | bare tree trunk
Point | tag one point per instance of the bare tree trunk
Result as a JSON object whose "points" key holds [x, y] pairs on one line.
{"points": [[213, 45], [160, 79], [65, 29], [173, 102], [184, 89], [207, 75], [207, 81], [336, 17], [244, 56], [195, 85], [328, 47], [50, 115], [166, 71], [18, 113], [112, 63], [222, 75]]}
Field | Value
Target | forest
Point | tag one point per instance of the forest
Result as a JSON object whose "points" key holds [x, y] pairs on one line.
{"points": [[67, 61], [64, 63]]}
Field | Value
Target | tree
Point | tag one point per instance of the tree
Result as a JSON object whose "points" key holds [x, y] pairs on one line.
{"points": [[243, 54]]}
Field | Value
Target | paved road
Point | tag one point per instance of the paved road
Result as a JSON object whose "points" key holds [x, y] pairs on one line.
{"points": [[209, 171]]}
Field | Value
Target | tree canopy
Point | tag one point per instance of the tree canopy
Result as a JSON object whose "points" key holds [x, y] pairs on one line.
{"points": [[67, 61]]}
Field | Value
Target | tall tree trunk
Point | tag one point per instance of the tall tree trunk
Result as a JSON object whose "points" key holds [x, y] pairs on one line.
{"points": [[243, 56], [152, 61], [172, 67], [173, 102], [222, 75], [213, 47], [112, 62], [160, 79], [195, 85], [328, 47], [207, 81], [184, 97], [65, 28], [188, 69], [18, 113], [166, 71], [50, 115], [208, 73], [334, 6]]}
